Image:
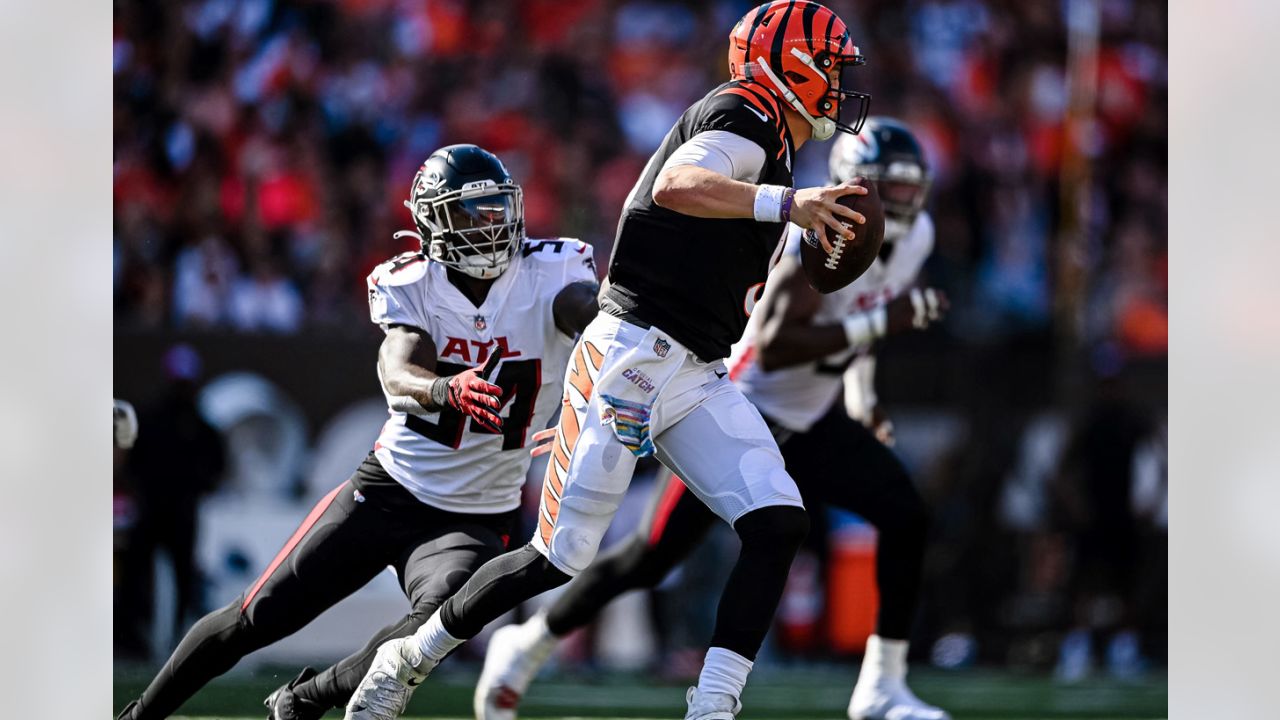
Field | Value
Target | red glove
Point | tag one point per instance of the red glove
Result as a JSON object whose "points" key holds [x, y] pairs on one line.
{"points": [[469, 392]]}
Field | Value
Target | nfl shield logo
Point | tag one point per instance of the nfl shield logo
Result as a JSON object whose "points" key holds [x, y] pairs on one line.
{"points": [[661, 347], [480, 323]]}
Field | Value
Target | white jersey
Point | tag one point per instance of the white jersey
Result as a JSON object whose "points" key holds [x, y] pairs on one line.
{"points": [[444, 458], [796, 397]]}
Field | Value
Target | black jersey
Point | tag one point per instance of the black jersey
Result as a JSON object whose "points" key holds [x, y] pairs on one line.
{"points": [[693, 277]]}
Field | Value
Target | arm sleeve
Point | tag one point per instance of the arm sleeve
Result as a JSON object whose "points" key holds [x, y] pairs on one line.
{"points": [[722, 152]]}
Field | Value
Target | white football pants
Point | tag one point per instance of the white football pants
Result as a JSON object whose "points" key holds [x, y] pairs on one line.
{"points": [[631, 391]]}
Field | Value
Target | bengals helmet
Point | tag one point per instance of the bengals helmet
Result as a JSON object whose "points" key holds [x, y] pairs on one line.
{"points": [[791, 47], [468, 211], [887, 153]]}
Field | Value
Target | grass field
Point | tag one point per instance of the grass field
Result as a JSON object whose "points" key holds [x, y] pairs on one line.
{"points": [[819, 694]]}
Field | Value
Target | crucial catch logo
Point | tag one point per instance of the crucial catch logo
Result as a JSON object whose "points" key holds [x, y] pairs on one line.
{"points": [[639, 379]]}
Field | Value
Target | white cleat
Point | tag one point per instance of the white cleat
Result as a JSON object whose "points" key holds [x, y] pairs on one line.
{"points": [[516, 653], [397, 670], [711, 706], [885, 699]]}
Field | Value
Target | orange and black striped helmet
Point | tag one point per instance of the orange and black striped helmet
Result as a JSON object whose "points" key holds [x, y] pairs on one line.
{"points": [[790, 46]]}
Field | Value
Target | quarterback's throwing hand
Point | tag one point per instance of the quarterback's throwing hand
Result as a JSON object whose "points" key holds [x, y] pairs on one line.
{"points": [[817, 209], [476, 397]]}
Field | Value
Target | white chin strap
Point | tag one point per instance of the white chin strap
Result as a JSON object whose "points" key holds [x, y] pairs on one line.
{"points": [[823, 127]]}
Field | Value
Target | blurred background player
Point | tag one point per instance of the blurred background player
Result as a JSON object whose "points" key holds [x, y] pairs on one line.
{"points": [[437, 495], [176, 462], [701, 229], [789, 365]]}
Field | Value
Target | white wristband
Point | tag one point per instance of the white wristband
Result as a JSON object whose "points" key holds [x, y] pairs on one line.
{"points": [[862, 329], [768, 205]]}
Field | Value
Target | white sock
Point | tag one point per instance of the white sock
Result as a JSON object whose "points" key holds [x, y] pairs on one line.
{"points": [[537, 631], [434, 641], [885, 659], [724, 671]]}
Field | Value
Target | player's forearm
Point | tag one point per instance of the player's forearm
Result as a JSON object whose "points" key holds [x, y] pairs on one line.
{"points": [[793, 345], [790, 344], [699, 192], [575, 307], [413, 389]]}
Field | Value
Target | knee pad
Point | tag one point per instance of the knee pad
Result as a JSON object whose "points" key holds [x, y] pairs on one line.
{"points": [[572, 549], [578, 530]]}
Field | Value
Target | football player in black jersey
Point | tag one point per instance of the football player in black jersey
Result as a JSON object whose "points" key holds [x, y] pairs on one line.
{"points": [[698, 235], [791, 363]]}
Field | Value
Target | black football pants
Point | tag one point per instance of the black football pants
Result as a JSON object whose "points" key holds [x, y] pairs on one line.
{"points": [[367, 523], [837, 462]]}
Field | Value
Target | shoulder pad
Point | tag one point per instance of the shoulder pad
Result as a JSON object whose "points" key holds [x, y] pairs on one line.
{"points": [[403, 269]]}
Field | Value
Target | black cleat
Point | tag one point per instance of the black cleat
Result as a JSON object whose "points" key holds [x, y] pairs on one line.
{"points": [[284, 705]]}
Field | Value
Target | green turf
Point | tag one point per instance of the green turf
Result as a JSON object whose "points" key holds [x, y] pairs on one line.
{"points": [[819, 694]]}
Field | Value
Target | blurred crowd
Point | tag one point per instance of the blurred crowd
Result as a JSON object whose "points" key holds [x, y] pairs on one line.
{"points": [[263, 149]]}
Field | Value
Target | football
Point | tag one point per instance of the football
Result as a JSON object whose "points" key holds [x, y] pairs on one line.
{"points": [[830, 272]]}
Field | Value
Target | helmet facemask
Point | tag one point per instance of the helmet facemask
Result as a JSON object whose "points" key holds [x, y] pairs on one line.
{"points": [[903, 188], [474, 230], [902, 196], [823, 112]]}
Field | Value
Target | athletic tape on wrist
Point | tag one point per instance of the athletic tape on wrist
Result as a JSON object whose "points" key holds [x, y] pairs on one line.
{"points": [[768, 204], [440, 392], [862, 329], [920, 319]]}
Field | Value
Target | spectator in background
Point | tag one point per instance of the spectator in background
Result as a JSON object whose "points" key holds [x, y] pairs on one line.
{"points": [[202, 279], [265, 300], [178, 457]]}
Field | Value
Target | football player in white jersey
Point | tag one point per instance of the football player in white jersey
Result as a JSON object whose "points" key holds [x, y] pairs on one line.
{"points": [[479, 326], [789, 364], [699, 232]]}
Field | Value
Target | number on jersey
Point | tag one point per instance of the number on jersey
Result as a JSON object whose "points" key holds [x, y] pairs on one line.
{"points": [[520, 381]]}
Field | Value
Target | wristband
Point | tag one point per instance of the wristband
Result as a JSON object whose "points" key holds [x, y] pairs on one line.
{"points": [[788, 199], [768, 205], [440, 392], [862, 329]]}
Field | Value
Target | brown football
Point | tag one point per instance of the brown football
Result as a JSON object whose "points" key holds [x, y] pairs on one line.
{"points": [[828, 273]]}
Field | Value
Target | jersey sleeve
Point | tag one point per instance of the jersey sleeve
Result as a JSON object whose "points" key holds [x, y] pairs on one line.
{"points": [[563, 261], [742, 112], [396, 295]]}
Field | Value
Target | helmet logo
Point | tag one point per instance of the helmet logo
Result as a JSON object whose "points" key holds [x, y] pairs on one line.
{"points": [[427, 182]]}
